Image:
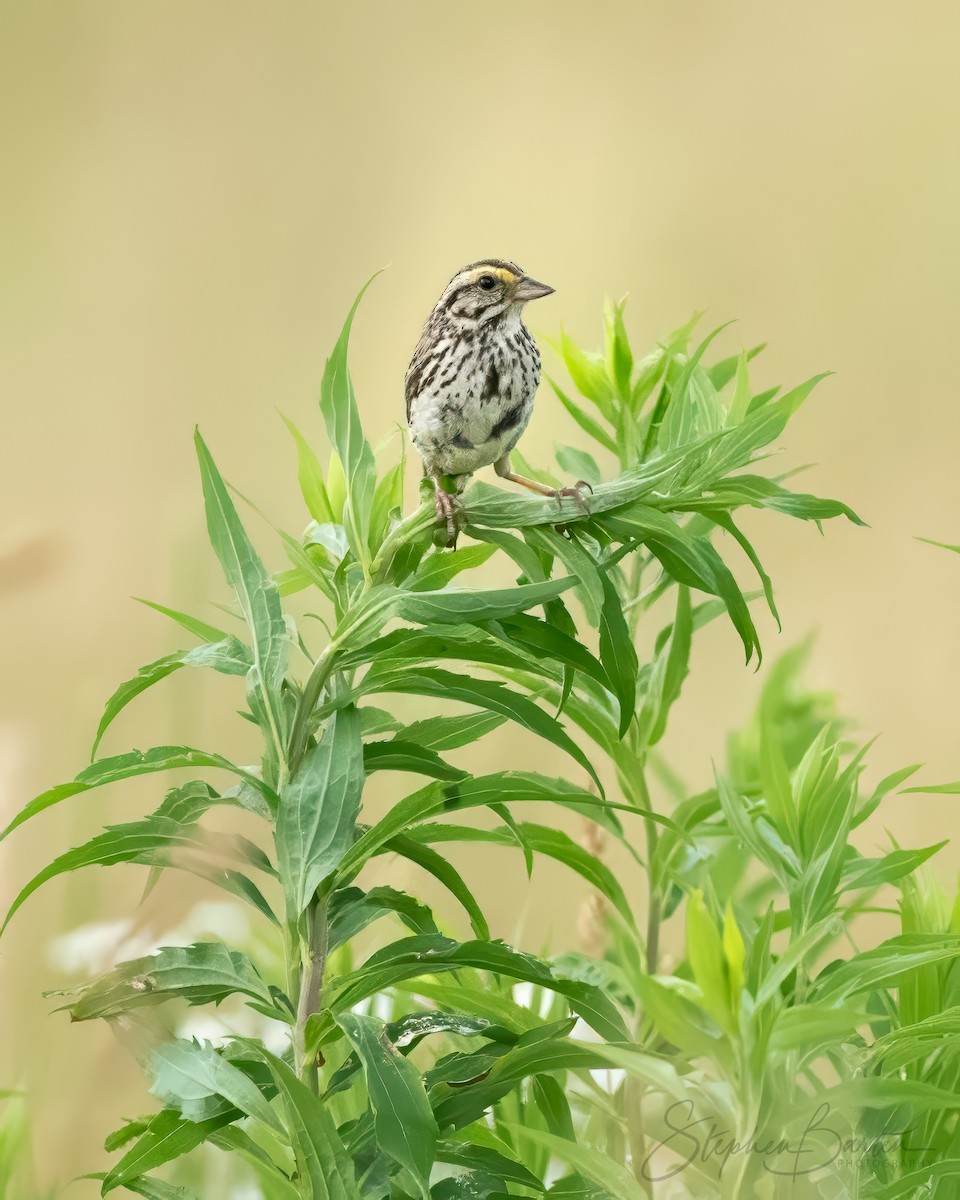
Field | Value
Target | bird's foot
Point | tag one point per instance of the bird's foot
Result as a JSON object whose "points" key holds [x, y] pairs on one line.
{"points": [[574, 493], [450, 514]]}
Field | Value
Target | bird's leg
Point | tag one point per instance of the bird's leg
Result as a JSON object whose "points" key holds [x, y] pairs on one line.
{"points": [[449, 507], [502, 468]]}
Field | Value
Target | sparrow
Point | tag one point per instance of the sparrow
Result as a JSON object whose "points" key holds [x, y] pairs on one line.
{"points": [[471, 383]]}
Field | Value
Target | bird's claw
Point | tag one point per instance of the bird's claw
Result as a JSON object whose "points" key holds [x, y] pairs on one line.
{"points": [[450, 516], [575, 493]]}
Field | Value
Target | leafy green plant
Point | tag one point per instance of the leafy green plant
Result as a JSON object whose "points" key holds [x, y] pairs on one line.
{"points": [[431, 1064]]}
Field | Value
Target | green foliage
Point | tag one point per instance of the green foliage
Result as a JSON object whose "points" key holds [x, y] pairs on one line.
{"points": [[419, 1063]]}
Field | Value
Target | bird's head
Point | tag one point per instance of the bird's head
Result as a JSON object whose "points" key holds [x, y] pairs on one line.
{"points": [[488, 290]]}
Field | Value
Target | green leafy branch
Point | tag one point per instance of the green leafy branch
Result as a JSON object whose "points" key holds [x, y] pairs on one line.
{"points": [[349, 1110]]}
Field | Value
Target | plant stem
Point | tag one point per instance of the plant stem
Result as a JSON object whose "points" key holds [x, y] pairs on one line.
{"points": [[654, 902], [419, 521], [633, 1090], [311, 988]]}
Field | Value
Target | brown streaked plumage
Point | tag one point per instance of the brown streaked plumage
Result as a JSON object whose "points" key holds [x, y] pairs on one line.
{"points": [[471, 382]]}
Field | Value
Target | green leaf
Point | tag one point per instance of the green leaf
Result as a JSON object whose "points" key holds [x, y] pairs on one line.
{"points": [[913, 1183], [807, 1027], [689, 560], [873, 872], [725, 369], [883, 789], [775, 782], [151, 1189], [679, 1020], [801, 950], [474, 1001], [544, 638], [409, 1031], [338, 404], [579, 464], [441, 566], [740, 405], [256, 592], [387, 502], [470, 643], [310, 477], [324, 1169], [319, 809], [228, 656], [542, 839], [485, 1078], [486, 1158], [725, 521], [941, 545], [446, 873], [707, 960], [617, 344], [204, 973], [590, 426], [396, 755], [274, 1183], [551, 1099], [208, 633], [187, 1073], [126, 766], [695, 411], [352, 910], [614, 1179], [450, 733], [424, 956], [149, 842], [749, 833], [502, 787], [336, 489], [588, 374], [885, 965], [577, 560], [403, 1119], [454, 607], [667, 672], [484, 693], [167, 1137], [936, 789], [760, 492], [618, 653], [739, 444]]}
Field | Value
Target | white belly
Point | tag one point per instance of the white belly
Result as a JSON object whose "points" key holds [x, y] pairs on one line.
{"points": [[474, 405], [458, 437]]}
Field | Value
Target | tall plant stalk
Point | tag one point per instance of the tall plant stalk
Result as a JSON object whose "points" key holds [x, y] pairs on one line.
{"points": [[414, 1064]]}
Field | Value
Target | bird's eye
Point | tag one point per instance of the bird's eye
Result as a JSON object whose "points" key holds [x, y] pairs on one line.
{"points": [[487, 282]]}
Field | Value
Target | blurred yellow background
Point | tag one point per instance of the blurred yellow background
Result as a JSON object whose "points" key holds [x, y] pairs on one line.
{"points": [[192, 193]]}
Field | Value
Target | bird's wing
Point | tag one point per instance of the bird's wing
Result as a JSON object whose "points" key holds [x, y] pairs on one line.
{"points": [[414, 375]]}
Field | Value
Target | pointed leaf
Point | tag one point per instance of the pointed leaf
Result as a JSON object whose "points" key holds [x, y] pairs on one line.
{"points": [[310, 477], [618, 653], [338, 404], [228, 656], [256, 592], [403, 1119], [324, 1169], [186, 1073], [319, 809], [126, 766]]}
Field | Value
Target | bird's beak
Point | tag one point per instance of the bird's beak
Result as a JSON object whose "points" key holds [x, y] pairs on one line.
{"points": [[530, 289]]}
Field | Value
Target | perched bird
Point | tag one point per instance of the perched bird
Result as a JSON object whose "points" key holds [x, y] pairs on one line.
{"points": [[472, 379]]}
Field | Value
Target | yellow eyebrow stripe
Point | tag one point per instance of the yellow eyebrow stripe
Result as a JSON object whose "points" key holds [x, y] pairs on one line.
{"points": [[501, 273]]}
